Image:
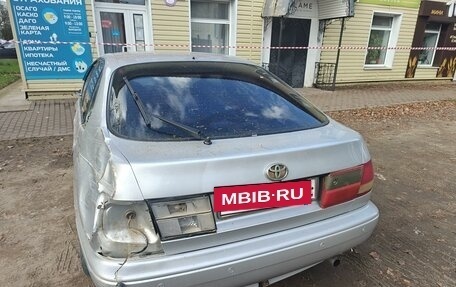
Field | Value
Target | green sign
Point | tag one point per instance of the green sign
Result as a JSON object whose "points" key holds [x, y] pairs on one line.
{"points": [[395, 3]]}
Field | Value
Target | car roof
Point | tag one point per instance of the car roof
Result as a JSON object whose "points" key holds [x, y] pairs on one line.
{"points": [[117, 60]]}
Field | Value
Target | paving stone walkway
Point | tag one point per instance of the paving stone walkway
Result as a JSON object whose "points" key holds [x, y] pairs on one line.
{"points": [[44, 118]]}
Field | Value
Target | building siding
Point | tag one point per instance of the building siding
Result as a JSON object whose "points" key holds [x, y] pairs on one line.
{"points": [[249, 33], [171, 26], [329, 9], [357, 32]]}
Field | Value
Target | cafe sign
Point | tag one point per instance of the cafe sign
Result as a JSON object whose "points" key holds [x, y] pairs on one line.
{"points": [[394, 3], [439, 11]]}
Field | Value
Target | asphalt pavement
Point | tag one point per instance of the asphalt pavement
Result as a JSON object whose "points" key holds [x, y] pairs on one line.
{"points": [[21, 118]]}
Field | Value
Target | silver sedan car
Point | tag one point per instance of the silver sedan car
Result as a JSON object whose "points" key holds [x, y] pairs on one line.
{"points": [[205, 170]]}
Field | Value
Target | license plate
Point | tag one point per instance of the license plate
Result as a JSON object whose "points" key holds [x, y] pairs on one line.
{"points": [[233, 199]]}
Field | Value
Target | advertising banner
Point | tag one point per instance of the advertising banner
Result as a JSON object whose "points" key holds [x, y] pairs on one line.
{"points": [[395, 3], [53, 38]]}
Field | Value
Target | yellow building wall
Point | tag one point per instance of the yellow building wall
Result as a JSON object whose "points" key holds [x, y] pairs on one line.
{"points": [[357, 32], [249, 30], [171, 26]]}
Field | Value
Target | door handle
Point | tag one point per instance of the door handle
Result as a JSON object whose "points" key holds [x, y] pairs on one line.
{"points": [[125, 48]]}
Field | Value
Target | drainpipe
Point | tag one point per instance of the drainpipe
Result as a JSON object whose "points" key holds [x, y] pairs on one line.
{"points": [[280, 45], [336, 67]]}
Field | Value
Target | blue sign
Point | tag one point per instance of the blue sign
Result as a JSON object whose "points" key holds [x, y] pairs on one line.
{"points": [[53, 38]]}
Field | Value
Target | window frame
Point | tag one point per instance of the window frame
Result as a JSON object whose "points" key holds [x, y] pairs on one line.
{"points": [[392, 41], [231, 21], [88, 97], [434, 51]]}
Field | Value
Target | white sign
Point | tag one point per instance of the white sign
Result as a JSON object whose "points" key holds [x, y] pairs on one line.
{"points": [[304, 9]]}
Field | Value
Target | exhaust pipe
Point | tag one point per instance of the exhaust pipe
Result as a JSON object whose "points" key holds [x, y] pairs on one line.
{"points": [[335, 261]]}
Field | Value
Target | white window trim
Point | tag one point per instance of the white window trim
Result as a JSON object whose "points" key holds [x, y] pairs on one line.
{"points": [[232, 20], [233, 32], [392, 42], [435, 46], [116, 7]]}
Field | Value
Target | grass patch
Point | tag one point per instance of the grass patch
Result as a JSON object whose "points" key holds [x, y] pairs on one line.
{"points": [[9, 72], [6, 79], [9, 66]]}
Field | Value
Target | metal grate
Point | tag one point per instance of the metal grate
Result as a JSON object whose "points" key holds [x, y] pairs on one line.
{"points": [[325, 76]]}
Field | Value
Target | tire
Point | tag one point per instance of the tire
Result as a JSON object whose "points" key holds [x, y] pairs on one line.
{"points": [[83, 263]]}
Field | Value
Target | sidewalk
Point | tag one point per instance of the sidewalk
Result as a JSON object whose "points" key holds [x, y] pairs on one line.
{"points": [[20, 118], [379, 95]]}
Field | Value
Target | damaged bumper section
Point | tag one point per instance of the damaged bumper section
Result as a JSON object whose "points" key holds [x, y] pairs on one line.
{"points": [[239, 263]]}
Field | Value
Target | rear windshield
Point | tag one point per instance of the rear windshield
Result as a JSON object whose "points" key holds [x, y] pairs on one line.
{"points": [[220, 100]]}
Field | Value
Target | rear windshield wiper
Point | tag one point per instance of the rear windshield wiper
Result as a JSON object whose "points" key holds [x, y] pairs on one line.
{"points": [[145, 115]]}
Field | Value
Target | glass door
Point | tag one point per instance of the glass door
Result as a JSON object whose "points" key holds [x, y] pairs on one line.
{"points": [[113, 32], [122, 29]]}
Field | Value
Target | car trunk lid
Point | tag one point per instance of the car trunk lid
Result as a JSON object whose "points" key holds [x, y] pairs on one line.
{"points": [[170, 170]]}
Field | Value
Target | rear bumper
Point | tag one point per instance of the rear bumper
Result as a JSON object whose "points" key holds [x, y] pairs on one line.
{"points": [[240, 263]]}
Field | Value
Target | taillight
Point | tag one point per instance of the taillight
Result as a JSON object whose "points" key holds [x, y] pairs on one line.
{"points": [[347, 184]]}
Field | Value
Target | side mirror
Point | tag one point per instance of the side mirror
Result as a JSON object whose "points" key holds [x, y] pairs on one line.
{"points": [[79, 93]]}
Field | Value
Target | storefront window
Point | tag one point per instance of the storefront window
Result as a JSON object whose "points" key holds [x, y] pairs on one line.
{"points": [[379, 37], [211, 23], [431, 38], [113, 31]]}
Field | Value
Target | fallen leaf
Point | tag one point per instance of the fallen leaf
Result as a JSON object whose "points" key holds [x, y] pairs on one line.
{"points": [[380, 176], [406, 282], [374, 255], [389, 271]]}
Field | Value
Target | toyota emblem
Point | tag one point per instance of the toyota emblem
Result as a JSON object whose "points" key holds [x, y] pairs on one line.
{"points": [[276, 172]]}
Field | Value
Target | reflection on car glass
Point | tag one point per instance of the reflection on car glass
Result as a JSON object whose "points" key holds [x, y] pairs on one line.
{"points": [[142, 110]]}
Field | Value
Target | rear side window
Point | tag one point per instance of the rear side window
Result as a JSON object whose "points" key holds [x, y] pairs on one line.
{"points": [[235, 100], [89, 90]]}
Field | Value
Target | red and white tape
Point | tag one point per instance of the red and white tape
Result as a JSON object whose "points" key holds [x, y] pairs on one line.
{"points": [[357, 48]]}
